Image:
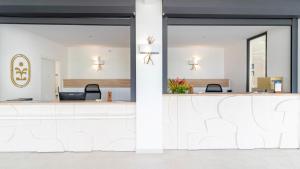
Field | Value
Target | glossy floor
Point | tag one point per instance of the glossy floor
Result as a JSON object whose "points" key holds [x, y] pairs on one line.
{"points": [[212, 159]]}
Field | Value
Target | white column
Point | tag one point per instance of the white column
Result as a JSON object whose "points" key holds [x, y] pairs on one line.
{"points": [[298, 55], [149, 79]]}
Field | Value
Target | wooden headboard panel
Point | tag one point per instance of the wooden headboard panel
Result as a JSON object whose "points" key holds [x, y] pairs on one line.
{"points": [[204, 82], [103, 83]]}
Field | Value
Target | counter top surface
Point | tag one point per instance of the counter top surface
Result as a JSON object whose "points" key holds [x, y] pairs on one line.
{"points": [[236, 94], [69, 102], [133, 103]]}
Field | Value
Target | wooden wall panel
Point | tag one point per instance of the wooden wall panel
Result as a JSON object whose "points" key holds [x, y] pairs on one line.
{"points": [[125, 83], [204, 82], [103, 83]]}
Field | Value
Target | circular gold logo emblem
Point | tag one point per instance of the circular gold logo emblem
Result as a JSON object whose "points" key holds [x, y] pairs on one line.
{"points": [[20, 70]]}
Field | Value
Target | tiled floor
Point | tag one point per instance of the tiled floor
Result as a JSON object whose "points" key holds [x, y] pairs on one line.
{"points": [[208, 159]]}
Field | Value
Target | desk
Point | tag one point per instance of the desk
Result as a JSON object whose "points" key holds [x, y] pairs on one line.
{"points": [[231, 121], [67, 126]]}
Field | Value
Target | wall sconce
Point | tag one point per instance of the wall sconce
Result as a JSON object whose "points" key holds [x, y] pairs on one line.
{"points": [[149, 50], [99, 64], [194, 63]]}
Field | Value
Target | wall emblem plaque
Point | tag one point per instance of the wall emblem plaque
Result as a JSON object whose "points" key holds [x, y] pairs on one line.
{"points": [[20, 71]]}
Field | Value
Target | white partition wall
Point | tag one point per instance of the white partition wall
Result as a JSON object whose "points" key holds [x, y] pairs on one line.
{"points": [[149, 79]]}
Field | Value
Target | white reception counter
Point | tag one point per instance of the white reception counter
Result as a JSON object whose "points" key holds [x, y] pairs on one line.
{"points": [[67, 126], [190, 122], [231, 121]]}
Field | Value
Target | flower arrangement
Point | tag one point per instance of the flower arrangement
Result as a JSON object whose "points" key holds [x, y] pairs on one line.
{"points": [[179, 86]]}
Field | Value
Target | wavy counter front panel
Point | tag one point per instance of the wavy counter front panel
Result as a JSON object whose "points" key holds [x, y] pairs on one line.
{"points": [[67, 127], [231, 121]]}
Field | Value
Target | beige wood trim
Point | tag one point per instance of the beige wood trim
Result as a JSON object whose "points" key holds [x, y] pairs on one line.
{"points": [[204, 82], [103, 83], [125, 83]]}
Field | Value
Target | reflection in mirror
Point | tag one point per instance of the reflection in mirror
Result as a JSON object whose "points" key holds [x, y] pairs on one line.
{"points": [[222, 53], [257, 48], [66, 58]]}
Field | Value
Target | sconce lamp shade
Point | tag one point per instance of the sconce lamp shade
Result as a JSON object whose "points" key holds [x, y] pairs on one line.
{"points": [[99, 63], [149, 49], [193, 62]]}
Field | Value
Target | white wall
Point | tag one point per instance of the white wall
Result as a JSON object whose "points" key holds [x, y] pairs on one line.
{"points": [[235, 65], [149, 79], [81, 59], [211, 62], [16, 41], [279, 55]]}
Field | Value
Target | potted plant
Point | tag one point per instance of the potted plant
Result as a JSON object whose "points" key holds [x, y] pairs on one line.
{"points": [[179, 86]]}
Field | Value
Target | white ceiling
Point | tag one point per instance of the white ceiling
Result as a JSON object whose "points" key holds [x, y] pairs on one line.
{"points": [[217, 36], [76, 35]]}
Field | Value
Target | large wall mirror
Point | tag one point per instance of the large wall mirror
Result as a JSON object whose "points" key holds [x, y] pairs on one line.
{"points": [[269, 59], [67, 58], [237, 57]]}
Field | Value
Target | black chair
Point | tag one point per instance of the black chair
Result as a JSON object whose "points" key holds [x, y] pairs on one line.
{"points": [[92, 92], [213, 88]]}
